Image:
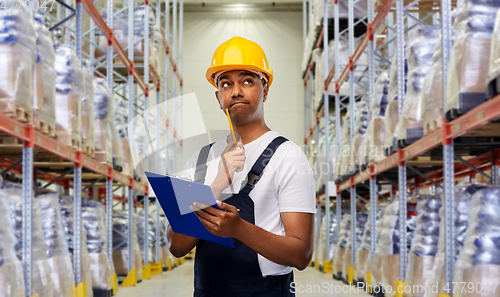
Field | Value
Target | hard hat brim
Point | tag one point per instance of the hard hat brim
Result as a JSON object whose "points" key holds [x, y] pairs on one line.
{"points": [[212, 70]]}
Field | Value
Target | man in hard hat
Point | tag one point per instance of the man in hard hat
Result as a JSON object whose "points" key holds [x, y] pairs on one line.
{"points": [[263, 183]]}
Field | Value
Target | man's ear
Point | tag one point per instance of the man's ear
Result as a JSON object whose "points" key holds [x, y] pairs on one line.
{"points": [[218, 100], [266, 91]]}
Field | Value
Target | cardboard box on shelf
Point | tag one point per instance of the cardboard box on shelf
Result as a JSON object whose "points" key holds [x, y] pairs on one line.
{"points": [[61, 274], [44, 96], [69, 119], [419, 274], [11, 280], [101, 271], [16, 79], [120, 261], [484, 279]]}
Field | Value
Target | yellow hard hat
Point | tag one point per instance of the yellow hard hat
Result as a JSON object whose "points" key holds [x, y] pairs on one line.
{"points": [[239, 53]]}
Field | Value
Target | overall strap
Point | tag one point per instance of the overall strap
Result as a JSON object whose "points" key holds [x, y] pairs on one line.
{"points": [[257, 170], [201, 164]]}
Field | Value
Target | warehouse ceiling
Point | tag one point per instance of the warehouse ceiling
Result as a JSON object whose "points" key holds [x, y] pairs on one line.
{"points": [[240, 2], [241, 6]]}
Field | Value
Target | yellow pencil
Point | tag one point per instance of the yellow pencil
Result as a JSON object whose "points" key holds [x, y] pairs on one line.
{"points": [[230, 124]]}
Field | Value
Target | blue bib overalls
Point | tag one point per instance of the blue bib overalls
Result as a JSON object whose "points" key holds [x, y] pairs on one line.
{"points": [[221, 271]]}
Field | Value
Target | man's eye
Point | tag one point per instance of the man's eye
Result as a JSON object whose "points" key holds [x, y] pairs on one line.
{"points": [[248, 81], [225, 84]]}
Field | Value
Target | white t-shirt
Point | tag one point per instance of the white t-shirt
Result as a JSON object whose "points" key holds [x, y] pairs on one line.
{"points": [[287, 185]]}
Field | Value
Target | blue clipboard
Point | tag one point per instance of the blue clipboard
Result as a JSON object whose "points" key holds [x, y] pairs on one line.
{"points": [[175, 195]]}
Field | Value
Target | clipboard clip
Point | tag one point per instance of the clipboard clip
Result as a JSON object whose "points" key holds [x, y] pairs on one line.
{"points": [[179, 177]]}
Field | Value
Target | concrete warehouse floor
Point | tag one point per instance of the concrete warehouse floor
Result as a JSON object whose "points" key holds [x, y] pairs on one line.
{"points": [[179, 283]]}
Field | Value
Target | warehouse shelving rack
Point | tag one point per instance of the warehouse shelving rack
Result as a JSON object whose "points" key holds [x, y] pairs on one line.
{"points": [[36, 144], [400, 169]]}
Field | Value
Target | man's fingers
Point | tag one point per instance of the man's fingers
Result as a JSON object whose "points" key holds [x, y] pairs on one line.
{"points": [[239, 166], [204, 215], [233, 165], [197, 206], [229, 147], [210, 226], [227, 207], [235, 153], [205, 207], [241, 157]]}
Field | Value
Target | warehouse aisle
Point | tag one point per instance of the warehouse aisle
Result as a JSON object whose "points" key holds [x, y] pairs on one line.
{"points": [[179, 283]]}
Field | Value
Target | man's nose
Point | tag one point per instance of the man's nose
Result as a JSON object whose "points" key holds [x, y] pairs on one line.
{"points": [[237, 92]]}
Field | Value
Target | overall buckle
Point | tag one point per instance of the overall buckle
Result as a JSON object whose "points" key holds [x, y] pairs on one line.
{"points": [[252, 179]]}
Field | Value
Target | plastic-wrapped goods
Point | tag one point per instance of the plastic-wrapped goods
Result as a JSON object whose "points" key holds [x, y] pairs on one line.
{"points": [[321, 252], [425, 244], [343, 56], [363, 260], [41, 278], [319, 9], [320, 180], [470, 56], [376, 267], [319, 12], [390, 123], [321, 247], [389, 247], [379, 100], [58, 256], [88, 110], [493, 78], [139, 15], [121, 118], [311, 35], [318, 84], [319, 77], [337, 176], [391, 112], [420, 50], [363, 117], [44, 79], [342, 166], [163, 241], [156, 61], [57, 36], [11, 271], [479, 260], [373, 149], [150, 236], [138, 144], [341, 248], [93, 218], [120, 242], [432, 92], [361, 219], [67, 216], [103, 135], [121, 123], [333, 236], [70, 88], [120, 24], [18, 52], [463, 195], [117, 148]]}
